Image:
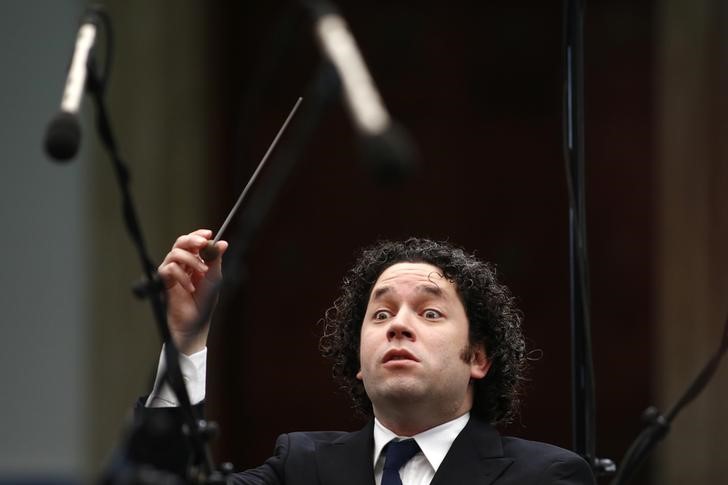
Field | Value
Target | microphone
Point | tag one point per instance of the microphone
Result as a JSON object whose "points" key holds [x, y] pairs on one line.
{"points": [[63, 134], [385, 146]]}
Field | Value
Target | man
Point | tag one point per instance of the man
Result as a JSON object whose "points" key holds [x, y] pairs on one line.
{"points": [[427, 342]]}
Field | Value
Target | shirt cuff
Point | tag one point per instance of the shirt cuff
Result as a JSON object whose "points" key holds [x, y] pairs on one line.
{"points": [[194, 373]]}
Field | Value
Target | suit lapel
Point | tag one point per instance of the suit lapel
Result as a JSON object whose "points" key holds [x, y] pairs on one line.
{"points": [[475, 457], [348, 459]]}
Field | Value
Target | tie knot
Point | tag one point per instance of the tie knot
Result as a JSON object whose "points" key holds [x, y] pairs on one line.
{"points": [[397, 453]]}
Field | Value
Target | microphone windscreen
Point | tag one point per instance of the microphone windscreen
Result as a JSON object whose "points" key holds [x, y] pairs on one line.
{"points": [[390, 155], [63, 136]]}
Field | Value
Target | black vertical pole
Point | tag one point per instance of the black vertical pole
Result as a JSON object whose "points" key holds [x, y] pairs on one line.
{"points": [[583, 407], [582, 387]]}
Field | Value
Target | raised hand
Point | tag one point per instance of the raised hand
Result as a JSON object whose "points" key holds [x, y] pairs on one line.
{"points": [[190, 283]]}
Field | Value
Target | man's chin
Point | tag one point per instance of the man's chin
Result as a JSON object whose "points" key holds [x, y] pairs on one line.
{"points": [[401, 391]]}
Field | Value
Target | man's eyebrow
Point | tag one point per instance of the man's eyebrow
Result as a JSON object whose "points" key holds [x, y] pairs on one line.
{"points": [[380, 292], [431, 289]]}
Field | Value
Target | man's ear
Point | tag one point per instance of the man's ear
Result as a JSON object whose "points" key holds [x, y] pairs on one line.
{"points": [[479, 362]]}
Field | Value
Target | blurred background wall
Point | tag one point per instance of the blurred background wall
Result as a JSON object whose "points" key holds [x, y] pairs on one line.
{"points": [[198, 89], [44, 286], [691, 274]]}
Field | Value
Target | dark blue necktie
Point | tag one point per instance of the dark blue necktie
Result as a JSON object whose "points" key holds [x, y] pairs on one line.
{"points": [[396, 454]]}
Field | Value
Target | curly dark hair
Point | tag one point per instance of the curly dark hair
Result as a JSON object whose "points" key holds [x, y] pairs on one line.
{"points": [[492, 314]]}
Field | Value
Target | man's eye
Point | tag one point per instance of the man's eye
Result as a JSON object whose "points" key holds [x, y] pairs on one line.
{"points": [[432, 314], [381, 315]]}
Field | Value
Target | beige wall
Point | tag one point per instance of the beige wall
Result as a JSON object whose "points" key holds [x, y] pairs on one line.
{"points": [[692, 239], [158, 103]]}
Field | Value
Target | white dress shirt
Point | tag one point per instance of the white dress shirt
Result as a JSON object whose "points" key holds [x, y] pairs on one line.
{"points": [[194, 373], [434, 445]]}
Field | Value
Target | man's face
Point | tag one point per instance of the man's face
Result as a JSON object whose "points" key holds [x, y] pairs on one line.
{"points": [[414, 344]]}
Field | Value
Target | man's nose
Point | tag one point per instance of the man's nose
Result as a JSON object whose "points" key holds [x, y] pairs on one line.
{"points": [[400, 327]]}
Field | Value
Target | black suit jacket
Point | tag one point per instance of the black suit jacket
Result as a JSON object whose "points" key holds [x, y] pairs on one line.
{"points": [[479, 456]]}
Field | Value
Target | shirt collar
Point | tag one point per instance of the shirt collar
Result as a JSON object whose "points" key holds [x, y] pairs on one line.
{"points": [[434, 443]]}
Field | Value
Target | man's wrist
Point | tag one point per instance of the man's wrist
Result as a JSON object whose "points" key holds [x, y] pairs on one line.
{"points": [[190, 343]]}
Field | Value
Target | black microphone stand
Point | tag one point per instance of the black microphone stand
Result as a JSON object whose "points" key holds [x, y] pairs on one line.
{"points": [[197, 430], [583, 407], [657, 425]]}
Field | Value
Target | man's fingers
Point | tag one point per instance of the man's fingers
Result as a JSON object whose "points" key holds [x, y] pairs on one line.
{"points": [[206, 233], [216, 264], [185, 258], [222, 247], [191, 242], [183, 264], [173, 274]]}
